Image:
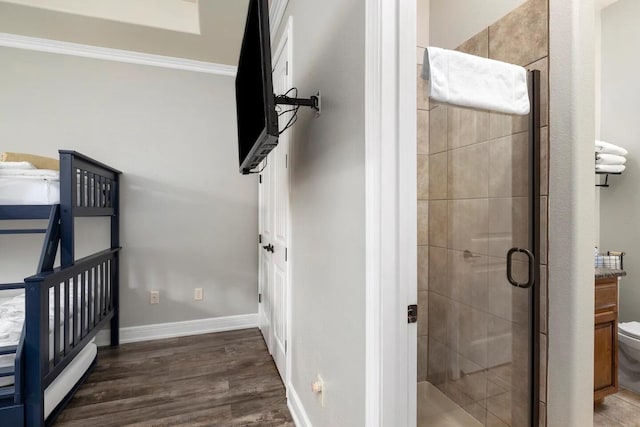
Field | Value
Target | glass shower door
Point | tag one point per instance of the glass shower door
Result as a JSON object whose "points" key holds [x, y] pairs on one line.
{"points": [[481, 290]]}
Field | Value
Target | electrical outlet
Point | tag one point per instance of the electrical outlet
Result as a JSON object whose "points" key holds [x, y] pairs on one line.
{"points": [[198, 294], [154, 297]]}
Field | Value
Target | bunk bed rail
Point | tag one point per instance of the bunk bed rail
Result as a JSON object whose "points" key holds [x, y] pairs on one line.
{"points": [[88, 188], [71, 305], [92, 190]]}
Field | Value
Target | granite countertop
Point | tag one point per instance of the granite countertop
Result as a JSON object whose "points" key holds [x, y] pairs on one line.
{"points": [[606, 273]]}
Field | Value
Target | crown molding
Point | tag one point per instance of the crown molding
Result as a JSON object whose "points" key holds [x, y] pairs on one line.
{"points": [[117, 55]]}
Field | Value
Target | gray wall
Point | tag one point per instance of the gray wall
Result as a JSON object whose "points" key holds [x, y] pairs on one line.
{"points": [[470, 18], [328, 211], [189, 219], [620, 203], [221, 27]]}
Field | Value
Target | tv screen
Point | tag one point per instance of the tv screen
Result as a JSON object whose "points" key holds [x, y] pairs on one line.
{"points": [[255, 103]]}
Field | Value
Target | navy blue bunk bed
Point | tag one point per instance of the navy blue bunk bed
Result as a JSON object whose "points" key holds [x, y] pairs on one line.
{"points": [[64, 306]]}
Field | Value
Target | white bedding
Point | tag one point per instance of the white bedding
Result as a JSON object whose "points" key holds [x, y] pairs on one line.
{"points": [[30, 173], [11, 321], [29, 187], [12, 312], [16, 165]]}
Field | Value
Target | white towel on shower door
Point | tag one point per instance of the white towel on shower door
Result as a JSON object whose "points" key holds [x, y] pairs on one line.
{"points": [[470, 81]]}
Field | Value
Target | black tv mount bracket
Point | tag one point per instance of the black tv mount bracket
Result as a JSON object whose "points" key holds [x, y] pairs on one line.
{"points": [[311, 102]]}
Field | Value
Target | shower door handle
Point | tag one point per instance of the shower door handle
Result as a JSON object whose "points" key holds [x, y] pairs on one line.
{"points": [[532, 277]]}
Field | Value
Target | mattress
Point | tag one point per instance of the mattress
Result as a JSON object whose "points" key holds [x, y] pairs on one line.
{"points": [[29, 187], [11, 321], [12, 311], [68, 378]]}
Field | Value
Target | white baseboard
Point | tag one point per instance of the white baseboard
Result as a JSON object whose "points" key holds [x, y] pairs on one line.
{"points": [[180, 329], [299, 415], [118, 55]]}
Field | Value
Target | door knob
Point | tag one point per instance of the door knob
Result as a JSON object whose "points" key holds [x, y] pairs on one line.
{"points": [[268, 248], [532, 277]]}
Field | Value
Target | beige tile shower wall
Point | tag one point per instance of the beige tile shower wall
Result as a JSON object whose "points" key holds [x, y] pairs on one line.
{"points": [[460, 196], [423, 191], [423, 250]]}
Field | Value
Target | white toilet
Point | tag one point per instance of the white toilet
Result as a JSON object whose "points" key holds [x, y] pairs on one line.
{"points": [[629, 355]]}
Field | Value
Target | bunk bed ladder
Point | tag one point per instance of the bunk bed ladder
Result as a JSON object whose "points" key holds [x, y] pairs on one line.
{"points": [[11, 399], [51, 240], [11, 396]]}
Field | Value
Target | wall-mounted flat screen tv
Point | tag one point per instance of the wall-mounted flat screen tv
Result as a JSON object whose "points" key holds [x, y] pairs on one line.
{"points": [[255, 101]]}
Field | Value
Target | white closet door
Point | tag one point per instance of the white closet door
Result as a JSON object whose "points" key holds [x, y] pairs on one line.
{"points": [[274, 223], [266, 270], [279, 159]]}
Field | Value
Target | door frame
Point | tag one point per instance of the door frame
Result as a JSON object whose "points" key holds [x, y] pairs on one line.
{"points": [[391, 212], [570, 216], [286, 40]]}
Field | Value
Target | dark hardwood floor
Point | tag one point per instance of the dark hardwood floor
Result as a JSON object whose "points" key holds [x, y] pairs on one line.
{"points": [[223, 379], [620, 409]]}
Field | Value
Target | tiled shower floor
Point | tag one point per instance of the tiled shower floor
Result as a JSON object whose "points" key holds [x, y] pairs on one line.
{"points": [[435, 409]]}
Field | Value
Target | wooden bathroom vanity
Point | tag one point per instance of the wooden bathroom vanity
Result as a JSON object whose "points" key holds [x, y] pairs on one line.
{"points": [[606, 333]]}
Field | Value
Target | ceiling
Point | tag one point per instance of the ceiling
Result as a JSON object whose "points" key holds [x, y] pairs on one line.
{"points": [[601, 4], [175, 15], [209, 30]]}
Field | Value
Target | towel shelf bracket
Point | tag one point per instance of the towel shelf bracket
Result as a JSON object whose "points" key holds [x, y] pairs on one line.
{"points": [[606, 178]]}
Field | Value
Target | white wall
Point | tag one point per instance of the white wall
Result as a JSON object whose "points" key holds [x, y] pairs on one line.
{"points": [[422, 28], [189, 219], [470, 17], [422, 22], [571, 219], [600, 5], [620, 203], [328, 211], [598, 105]]}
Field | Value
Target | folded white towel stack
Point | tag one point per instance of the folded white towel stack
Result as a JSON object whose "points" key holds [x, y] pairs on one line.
{"points": [[610, 168], [610, 159], [470, 81], [603, 147]]}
